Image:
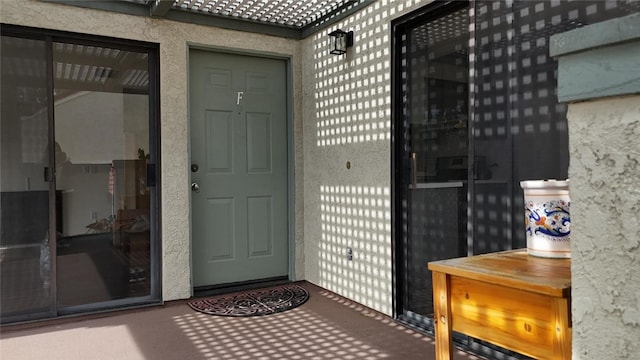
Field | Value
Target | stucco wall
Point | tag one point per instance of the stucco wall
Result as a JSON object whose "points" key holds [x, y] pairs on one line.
{"points": [[347, 111], [174, 39], [605, 227]]}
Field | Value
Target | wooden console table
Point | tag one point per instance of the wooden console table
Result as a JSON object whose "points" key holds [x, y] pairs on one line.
{"points": [[510, 299]]}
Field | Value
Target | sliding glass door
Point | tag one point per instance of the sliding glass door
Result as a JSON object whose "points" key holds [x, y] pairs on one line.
{"points": [[78, 175], [475, 112], [433, 181]]}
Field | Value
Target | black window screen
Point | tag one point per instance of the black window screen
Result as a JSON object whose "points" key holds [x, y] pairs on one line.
{"points": [[519, 129]]}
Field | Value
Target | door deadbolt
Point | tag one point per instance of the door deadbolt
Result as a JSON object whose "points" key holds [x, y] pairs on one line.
{"points": [[194, 167]]}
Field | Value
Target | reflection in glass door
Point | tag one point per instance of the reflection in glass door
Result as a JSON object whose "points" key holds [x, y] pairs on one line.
{"points": [[102, 151], [25, 245], [77, 179], [435, 152]]}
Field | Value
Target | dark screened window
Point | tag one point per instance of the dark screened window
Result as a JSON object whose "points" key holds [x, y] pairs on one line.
{"points": [[475, 111]]}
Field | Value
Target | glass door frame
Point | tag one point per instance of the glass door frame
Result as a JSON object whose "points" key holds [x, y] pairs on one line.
{"points": [[399, 29], [153, 168]]}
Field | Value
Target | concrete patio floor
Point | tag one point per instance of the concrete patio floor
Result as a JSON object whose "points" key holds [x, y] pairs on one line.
{"points": [[327, 327]]}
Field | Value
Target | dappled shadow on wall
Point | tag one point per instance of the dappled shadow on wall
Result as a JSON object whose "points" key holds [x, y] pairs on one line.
{"points": [[356, 218], [352, 92]]}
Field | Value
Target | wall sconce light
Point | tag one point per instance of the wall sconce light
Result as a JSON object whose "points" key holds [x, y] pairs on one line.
{"points": [[341, 40]]}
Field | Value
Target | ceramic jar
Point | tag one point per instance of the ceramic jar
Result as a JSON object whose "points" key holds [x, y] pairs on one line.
{"points": [[547, 221]]}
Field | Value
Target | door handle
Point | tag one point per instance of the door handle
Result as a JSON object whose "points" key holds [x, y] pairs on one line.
{"points": [[195, 187], [414, 169]]}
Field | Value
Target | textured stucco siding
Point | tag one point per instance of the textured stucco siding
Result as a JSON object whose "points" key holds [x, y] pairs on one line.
{"points": [[174, 39], [605, 227], [347, 112]]}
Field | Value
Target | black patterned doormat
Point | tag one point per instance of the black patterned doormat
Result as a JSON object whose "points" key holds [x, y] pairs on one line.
{"points": [[253, 303]]}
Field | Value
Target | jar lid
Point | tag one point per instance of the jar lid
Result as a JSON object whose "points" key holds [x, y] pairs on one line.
{"points": [[544, 184]]}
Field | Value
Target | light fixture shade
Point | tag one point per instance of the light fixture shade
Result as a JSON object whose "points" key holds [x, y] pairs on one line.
{"points": [[340, 41]]}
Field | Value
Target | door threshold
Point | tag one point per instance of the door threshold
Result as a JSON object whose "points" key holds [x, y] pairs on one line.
{"points": [[203, 291]]}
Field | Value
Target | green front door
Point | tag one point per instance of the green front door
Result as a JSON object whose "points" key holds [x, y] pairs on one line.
{"points": [[238, 168]]}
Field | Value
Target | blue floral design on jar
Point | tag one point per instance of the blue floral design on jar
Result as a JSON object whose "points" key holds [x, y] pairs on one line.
{"points": [[549, 218]]}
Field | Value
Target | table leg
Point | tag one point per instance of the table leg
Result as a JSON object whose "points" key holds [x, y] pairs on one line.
{"points": [[563, 336], [442, 316]]}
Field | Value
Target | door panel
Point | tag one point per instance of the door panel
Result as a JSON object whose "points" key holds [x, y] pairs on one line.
{"points": [[220, 231], [219, 142], [259, 150], [102, 142], [239, 131], [259, 221], [26, 276]]}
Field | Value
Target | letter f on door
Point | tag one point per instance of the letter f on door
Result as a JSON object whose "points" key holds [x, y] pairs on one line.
{"points": [[240, 93]]}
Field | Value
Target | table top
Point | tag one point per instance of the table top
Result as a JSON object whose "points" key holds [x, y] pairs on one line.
{"points": [[513, 268]]}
